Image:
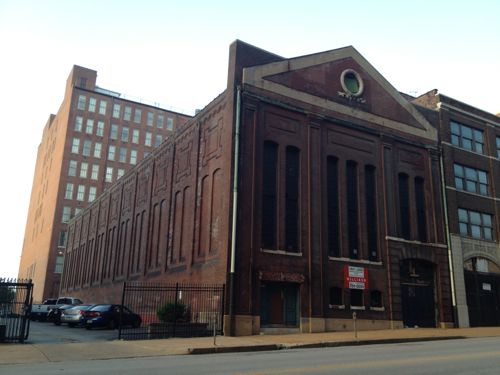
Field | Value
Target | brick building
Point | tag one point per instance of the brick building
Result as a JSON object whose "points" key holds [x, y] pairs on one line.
{"points": [[311, 187], [95, 137], [470, 144]]}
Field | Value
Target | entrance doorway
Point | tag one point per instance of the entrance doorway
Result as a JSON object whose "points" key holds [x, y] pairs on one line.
{"points": [[279, 304], [417, 293], [483, 298]]}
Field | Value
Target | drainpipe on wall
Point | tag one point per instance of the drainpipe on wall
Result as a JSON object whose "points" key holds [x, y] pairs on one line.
{"points": [[448, 240], [235, 211]]}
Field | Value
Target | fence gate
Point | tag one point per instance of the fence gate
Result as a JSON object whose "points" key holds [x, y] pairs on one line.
{"points": [[173, 310], [15, 307]]}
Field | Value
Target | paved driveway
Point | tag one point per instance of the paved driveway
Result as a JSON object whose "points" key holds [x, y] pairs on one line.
{"points": [[46, 332]]}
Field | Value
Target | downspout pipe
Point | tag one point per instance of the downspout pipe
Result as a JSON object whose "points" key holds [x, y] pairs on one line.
{"points": [[236, 158], [448, 240]]}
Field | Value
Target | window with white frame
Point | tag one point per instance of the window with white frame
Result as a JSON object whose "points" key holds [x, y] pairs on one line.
{"points": [[149, 120], [148, 138], [137, 116], [78, 123], [158, 140], [114, 132], [109, 174], [69, 191], [84, 167], [72, 168], [100, 129], [170, 123], [82, 101], [87, 146], [92, 104], [97, 150], [128, 113], [135, 136], [95, 172], [89, 129], [92, 193], [133, 157], [75, 146], [59, 263], [78, 210], [111, 152], [119, 173], [80, 194], [475, 224], [466, 137], [159, 121], [102, 107], [66, 215], [471, 179], [116, 110], [123, 155], [124, 134], [62, 238]]}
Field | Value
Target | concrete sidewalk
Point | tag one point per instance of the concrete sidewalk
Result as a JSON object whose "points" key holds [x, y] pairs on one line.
{"points": [[39, 353]]}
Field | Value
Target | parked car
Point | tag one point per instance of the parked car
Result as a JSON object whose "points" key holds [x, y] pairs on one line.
{"points": [[54, 314], [109, 316], [74, 315], [41, 311]]}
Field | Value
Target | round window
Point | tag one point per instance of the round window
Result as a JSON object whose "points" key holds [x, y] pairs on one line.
{"points": [[351, 82]]}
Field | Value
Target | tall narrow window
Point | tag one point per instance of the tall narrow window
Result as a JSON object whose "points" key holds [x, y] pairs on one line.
{"points": [[332, 186], [352, 208], [371, 212], [269, 196], [420, 201], [292, 174], [404, 205], [116, 110]]}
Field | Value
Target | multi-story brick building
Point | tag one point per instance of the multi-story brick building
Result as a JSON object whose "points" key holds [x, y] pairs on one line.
{"points": [[95, 137], [470, 144], [310, 186]]}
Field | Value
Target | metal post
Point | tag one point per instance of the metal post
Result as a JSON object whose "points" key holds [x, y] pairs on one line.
{"points": [[175, 308], [354, 324]]}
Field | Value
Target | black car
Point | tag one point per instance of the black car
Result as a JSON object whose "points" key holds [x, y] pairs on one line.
{"points": [[110, 316]]}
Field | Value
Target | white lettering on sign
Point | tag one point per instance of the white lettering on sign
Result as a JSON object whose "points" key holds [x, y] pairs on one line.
{"points": [[356, 285], [356, 272]]}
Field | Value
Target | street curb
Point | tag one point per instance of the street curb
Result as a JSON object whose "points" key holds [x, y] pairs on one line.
{"points": [[235, 349], [326, 344]]}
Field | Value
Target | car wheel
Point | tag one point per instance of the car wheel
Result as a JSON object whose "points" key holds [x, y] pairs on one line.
{"points": [[88, 327], [57, 323], [71, 325]]}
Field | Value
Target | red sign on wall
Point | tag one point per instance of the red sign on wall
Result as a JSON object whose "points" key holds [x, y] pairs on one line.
{"points": [[355, 277]]}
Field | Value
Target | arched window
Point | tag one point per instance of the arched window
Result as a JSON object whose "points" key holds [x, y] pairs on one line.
{"points": [[404, 206], [269, 195], [332, 186]]}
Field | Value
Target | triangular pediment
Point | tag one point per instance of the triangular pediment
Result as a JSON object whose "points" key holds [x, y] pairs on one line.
{"points": [[317, 80]]}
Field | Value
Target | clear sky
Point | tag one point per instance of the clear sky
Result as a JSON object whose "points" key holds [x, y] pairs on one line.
{"points": [[175, 53]]}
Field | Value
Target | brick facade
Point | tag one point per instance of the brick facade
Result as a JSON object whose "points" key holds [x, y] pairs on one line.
{"points": [[327, 178]]}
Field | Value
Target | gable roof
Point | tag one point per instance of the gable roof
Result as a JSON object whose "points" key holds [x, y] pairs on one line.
{"points": [[315, 79]]}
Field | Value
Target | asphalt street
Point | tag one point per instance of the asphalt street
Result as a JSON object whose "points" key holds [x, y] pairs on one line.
{"points": [[457, 357]]}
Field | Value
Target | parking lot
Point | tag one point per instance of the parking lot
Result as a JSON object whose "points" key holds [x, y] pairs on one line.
{"points": [[46, 332]]}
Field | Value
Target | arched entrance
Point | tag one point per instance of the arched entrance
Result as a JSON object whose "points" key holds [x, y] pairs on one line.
{"points": [[482, 285], [418, 300]]}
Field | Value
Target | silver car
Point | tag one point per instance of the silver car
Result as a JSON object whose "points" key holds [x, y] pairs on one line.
{"points": [[73, 316]]}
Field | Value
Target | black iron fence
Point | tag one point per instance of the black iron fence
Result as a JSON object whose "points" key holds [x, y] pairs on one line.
{"points": [[173, 310], [15, 307]]}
